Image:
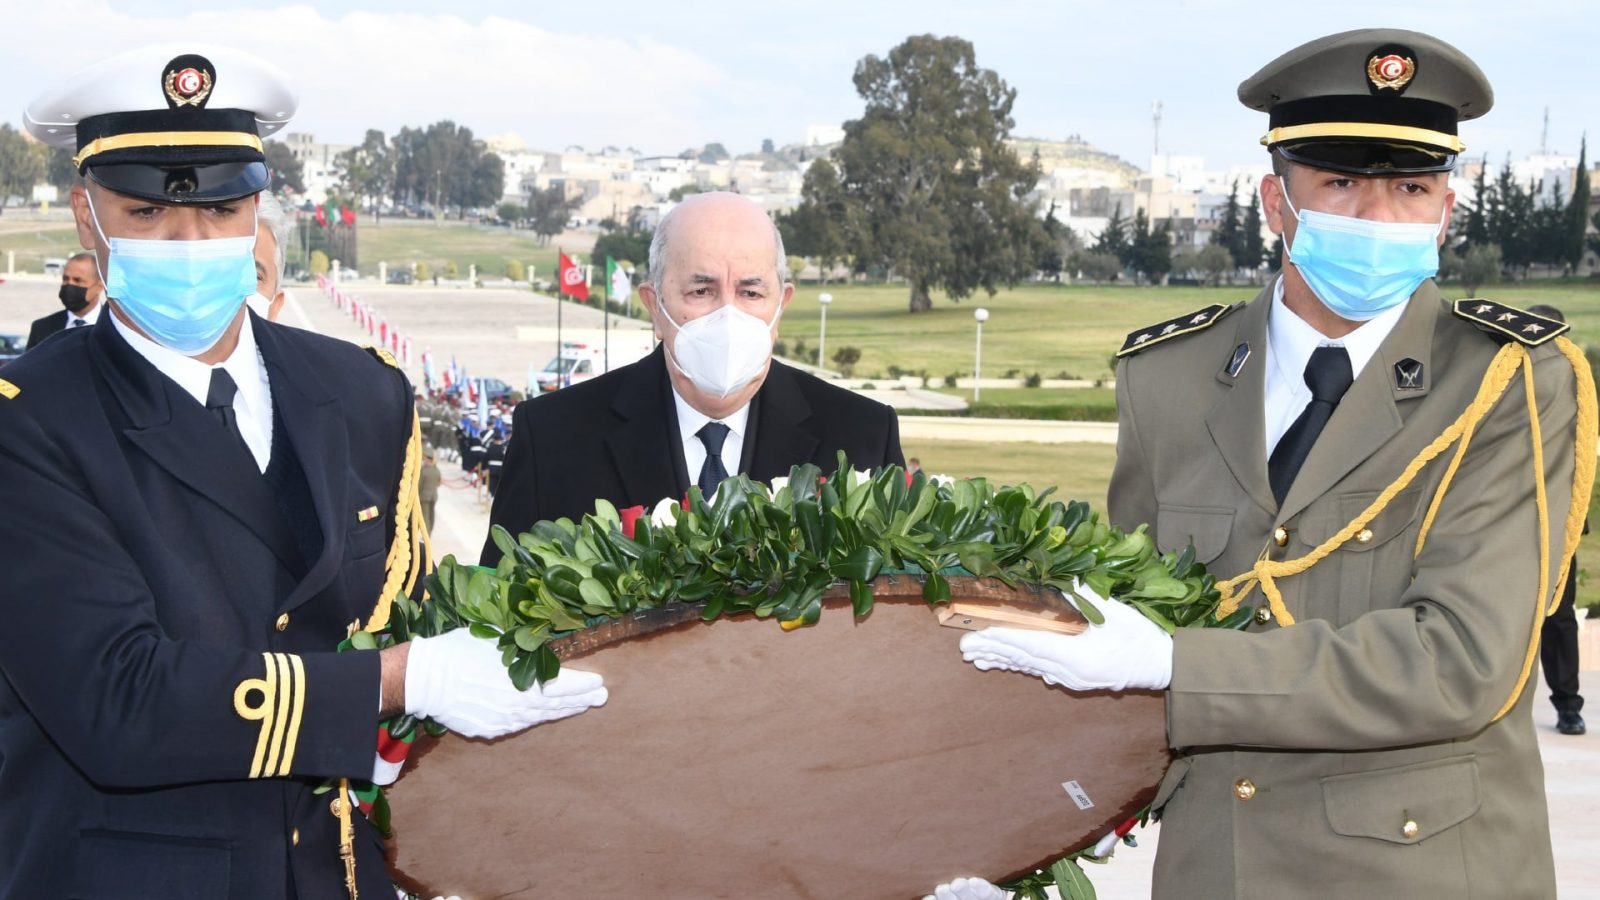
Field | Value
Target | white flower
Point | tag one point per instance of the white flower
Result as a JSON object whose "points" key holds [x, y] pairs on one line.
{"points": [[937, 480], [778, 484], [858, 478], [665, 513]]}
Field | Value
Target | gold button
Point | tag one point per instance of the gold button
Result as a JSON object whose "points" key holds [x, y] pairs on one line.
{"points": [[1280, 536], [283, 622], [1409, 830], [1263, 615], [1244, 789], [334, 806], [294, 837], [1364, 536]]}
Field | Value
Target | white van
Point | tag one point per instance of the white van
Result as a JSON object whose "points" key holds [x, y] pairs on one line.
{"points": [[580, 361]]}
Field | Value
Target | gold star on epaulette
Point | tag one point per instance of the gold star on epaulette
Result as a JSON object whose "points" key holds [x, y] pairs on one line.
{"points": [[9, 390], [1506, 323], [1188, 323], [383, 356]]}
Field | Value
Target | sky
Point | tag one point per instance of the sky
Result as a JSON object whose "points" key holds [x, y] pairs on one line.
{"points": [[665, 76]]}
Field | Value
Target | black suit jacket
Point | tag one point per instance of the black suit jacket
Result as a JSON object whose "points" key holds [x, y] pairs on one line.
{"points": [[616, 438], [45, 326], [156, 593]]}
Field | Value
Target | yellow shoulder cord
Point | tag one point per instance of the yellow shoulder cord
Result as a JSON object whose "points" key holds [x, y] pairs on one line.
{"points": [[410, 554], [1506, 363]]}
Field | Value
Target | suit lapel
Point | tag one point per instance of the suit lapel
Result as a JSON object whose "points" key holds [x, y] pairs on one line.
{"points": [[782, 439], [314, 422], [646, 448], [1367, 417], [1236, 422], [177, 433]]}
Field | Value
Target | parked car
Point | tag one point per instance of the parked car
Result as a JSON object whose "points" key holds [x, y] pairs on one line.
{"points": [[11, 347], [400, 276], [493, 389]]}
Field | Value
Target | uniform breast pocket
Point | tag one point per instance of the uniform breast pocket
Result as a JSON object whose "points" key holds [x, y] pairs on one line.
{"points": [[1374, 565], [1406, 804], [1207, 527], [121, 865], [364, 540]]}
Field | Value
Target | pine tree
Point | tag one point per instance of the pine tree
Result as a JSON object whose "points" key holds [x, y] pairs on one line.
{"points": [[1577, 214], [1254, 246], [1114, 238], [1228, 234]]}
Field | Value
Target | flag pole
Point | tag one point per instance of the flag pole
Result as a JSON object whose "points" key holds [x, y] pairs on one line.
{"points": [[561, 285], [608, 317]]}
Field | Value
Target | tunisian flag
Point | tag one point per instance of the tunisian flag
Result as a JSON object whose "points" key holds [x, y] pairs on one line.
{"points": [[572, 280]]}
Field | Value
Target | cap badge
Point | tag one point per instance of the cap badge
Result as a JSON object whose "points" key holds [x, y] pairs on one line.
{"points": [[1390, 71], [188, 80]]}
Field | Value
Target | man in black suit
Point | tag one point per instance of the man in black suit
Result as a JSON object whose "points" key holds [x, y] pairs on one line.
{"points": [[81, 293], [175, 720], [709, 401]]}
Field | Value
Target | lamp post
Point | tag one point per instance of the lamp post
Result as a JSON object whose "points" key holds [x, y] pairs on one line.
{"points": [[982, 315], [822, 340]]}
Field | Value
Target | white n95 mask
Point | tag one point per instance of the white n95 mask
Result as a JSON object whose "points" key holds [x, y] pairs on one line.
{"points": [[722, 351]]}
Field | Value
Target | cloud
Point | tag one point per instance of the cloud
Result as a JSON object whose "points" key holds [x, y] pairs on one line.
{"points": [[364, 70]]}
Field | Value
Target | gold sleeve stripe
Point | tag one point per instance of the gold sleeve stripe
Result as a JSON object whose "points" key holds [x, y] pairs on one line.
{"points": [[166, 139], [9, 390], [292, 736], [281, 706], [280, 715]]}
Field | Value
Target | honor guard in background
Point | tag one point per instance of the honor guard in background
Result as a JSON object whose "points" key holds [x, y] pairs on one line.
{"points": [[171, 705], [1391, 475]]}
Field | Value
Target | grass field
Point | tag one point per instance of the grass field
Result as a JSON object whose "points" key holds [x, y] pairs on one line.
{"points": [[400, 243], [1053, 330], [36, 241], [1088, 404]]}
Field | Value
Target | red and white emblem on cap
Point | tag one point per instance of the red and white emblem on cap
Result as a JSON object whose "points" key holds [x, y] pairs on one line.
{"points": [[187, 82], [188, 86], [1391, 71]]}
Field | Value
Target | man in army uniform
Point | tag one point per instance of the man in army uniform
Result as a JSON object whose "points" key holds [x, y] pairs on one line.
{"points": [[1393, 474], [171, 704]]}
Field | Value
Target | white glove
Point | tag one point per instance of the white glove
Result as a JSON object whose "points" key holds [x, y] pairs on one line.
{"points": [[967, 889], [1127, 651], [459, 681]]}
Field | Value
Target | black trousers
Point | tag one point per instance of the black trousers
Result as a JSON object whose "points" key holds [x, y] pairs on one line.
{"points": [[1558, 649]]}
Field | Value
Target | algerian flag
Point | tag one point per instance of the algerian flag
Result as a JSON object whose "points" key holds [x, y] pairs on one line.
{"points": [[620, 284]]}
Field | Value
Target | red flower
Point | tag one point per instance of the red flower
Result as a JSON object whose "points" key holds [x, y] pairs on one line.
{"points": [[1125, 827], [629, 517]]}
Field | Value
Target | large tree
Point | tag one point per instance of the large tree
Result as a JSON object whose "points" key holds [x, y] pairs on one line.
{"points": [[1230, 231], [22, 164], [817, 228], [287, 173], [934, 191], [548, 211], [444, 165], [368, 170], [1577, 212], [1254, 246]]}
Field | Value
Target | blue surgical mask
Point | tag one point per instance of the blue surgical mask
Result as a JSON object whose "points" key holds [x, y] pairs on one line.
{"points": [[183, 294], [1357, 267]]}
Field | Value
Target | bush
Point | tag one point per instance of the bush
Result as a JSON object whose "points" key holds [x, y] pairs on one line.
{"points": [[1033, 380], [950, 380], [450, 270], [780, 348], [846, 358], [514, 270], [319, 262], [420, 272]]}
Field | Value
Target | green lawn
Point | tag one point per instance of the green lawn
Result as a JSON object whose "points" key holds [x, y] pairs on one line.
{"points": [[1051, 329], [1082, 471], [401, 242], [1060, 404], [34, 242]]}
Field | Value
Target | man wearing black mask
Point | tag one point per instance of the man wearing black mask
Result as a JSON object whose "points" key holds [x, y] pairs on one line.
{"points": [[81, 293]]}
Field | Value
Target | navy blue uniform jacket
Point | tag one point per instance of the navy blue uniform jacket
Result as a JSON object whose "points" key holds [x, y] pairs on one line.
{"points": [[169, 694]]}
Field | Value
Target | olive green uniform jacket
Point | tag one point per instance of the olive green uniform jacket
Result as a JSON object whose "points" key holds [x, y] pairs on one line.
{"points": [[1304, 751]]}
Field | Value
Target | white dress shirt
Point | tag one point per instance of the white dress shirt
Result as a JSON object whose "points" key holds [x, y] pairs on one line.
{"points": [[252, 405], [88, 318], [1290, 342], [691, 420]]}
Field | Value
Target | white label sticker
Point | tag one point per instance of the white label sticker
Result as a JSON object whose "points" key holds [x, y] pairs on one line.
{"points": [[1077, 793]]}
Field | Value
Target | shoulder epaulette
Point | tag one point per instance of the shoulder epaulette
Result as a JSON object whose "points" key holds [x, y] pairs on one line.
{"points": [[1188, 323], [383, 356], [1507, 323], [9, 390]]}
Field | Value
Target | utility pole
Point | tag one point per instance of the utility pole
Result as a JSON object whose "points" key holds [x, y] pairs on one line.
{"points": [[1155, 118]]}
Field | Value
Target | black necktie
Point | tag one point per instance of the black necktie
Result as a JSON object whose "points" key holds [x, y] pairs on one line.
{"points": [[1328, 375], [711, 474], [219, 399], [78, 323]]}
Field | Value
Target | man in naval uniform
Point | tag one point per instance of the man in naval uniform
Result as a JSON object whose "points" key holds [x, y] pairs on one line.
{"points": [[171, 702], [1370, 732]]}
